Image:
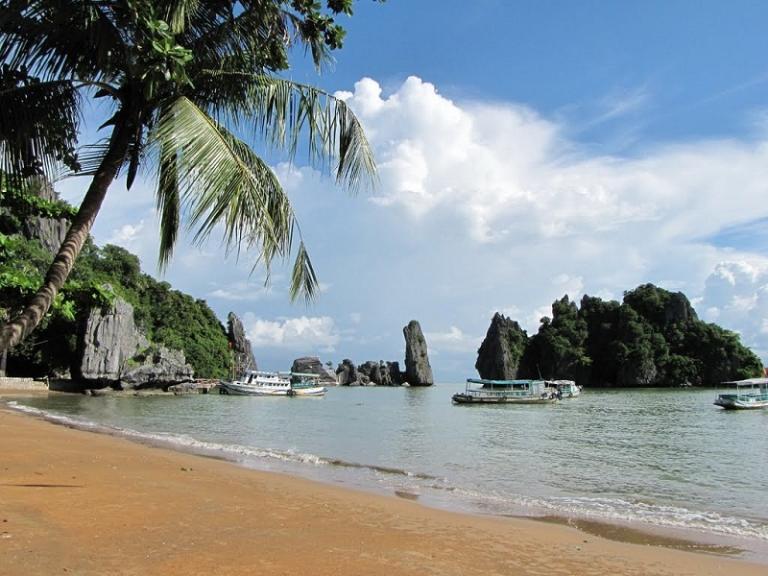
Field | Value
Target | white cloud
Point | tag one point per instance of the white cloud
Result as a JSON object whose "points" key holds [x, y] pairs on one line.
{"points": [[126, 234], [303, 334], [454, 339], [240, 291], [736, 296], [509, 173]]}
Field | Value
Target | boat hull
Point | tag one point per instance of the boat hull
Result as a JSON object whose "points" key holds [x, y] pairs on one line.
{"points": [[236, 389], [473, 399], [729, 404], [314, 391]]}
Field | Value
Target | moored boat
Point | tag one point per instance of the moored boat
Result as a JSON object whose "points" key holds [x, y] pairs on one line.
{"points": [[261, 383], [747, 394], [481, 391], [565, 388]]}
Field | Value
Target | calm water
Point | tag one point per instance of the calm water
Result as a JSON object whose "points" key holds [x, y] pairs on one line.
{"points": [[666, 458]]}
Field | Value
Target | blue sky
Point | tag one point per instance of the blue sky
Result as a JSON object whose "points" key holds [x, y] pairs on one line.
{"points": [[527, 150]]}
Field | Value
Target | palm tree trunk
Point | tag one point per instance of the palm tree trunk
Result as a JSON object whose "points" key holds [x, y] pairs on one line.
{"points": [[20, 326]]}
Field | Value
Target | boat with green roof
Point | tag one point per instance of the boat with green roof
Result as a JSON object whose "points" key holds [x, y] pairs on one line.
{"points": [[482, 391], [748, 394]]}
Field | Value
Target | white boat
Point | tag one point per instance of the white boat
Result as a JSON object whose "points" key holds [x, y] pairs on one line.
{"points": [[565, 388], [260, 383], [747, 394], [480, 391]]}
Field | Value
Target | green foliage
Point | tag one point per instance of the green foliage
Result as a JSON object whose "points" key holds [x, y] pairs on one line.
{"points": [[100, 276], [558, 349], [653, 338]]}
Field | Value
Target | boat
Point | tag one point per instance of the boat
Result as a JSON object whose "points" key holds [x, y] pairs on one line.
{"points": [[748, 394], [565, 388], [481, 391], [262, 383]]}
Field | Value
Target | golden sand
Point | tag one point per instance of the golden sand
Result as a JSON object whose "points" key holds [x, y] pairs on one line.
{"points": [[74, 502]]}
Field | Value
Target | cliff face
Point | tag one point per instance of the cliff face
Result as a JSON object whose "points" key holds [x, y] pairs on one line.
{"points": [[418, 372], [499, 355], [106, 341], [241, 346], [113, 352], [49, 231]]}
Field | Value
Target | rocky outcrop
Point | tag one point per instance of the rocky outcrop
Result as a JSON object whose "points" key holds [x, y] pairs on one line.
{"points": [[107, 340], [499, 355], [157, 366], [418, 372], [346, 373], [382, 373], [312, 365], [113, 352], [241, 346], [49, 231], [678, 309]]}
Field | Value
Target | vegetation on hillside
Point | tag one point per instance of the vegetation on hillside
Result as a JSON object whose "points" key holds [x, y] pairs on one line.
{"points": [[652, 338], [166, 316]]}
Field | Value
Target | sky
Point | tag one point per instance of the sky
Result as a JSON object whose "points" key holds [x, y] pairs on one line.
{"points": [[526, 150]]}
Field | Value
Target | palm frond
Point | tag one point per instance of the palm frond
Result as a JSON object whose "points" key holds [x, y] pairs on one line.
{"points": [[64, 40], [168, 205], [90, 157], [222, 184], [179, 13], [303, 278], [38, 125], [282, 112]]}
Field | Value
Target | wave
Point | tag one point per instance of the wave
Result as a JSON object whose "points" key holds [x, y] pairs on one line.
{"points": [[621, 510], [445, 493], [234, 452]]}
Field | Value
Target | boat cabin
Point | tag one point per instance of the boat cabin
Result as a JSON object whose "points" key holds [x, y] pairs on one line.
{"points": [[749, 393], [507, 388]]}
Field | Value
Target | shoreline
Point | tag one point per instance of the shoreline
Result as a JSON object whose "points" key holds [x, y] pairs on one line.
{"points": [[210, 501]]}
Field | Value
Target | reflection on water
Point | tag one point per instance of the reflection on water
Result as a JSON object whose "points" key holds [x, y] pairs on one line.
{"points": [[662, 457]]}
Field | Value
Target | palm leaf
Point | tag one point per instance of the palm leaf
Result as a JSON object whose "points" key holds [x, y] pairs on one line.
{"points": [[219, 183], [38, 125], [303, 279], [81, 40], [282, 112], [168, 205]]}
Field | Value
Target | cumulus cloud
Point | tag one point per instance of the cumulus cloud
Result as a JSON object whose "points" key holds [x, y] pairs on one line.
{"points": [[126, 234], [736, 295], [454, 340], [303, 333], [240, 291], [508, 172]]}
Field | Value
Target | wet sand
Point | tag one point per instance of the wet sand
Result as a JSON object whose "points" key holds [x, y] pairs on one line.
{"points": [[75, 502]]}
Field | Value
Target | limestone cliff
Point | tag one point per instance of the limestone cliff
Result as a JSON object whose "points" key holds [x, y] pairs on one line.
{"points": [[418, 372]]}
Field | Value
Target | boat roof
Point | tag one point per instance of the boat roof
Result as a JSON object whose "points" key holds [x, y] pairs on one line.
{"points": [[500, 382], [748, 382]]}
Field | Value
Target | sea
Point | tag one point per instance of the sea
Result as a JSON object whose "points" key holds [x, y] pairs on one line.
{"points": [[663, 460]]}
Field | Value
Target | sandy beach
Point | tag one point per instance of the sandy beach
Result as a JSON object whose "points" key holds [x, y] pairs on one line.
{"points": [[75, 502]]}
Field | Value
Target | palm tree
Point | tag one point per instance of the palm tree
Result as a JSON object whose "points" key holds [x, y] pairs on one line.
{"points": [[181, 76]]}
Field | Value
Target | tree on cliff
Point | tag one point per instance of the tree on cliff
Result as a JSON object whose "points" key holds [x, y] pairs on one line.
{"points": [[180, 76]]}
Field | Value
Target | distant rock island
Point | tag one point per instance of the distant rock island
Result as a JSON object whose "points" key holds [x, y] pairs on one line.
{"points": [[652, 338], [418, 371]]}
